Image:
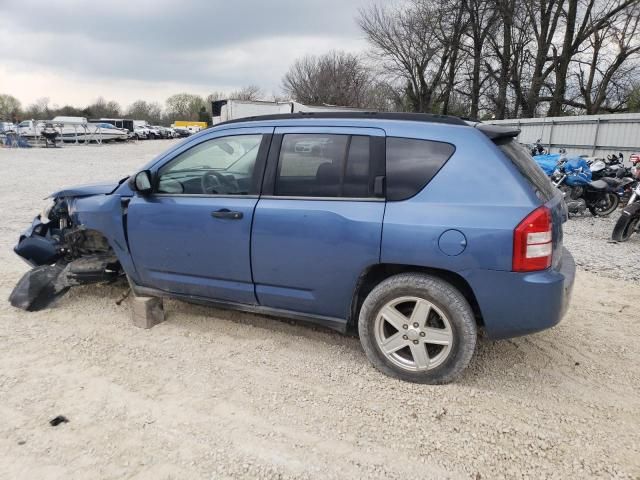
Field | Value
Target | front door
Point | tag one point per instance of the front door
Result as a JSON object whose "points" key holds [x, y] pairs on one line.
{"points": [[192, 234]]}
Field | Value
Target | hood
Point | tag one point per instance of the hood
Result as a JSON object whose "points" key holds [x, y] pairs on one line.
{"points": [[86, 190]]}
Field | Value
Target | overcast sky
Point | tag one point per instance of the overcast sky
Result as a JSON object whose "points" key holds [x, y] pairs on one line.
{"points": [[74, 51]]}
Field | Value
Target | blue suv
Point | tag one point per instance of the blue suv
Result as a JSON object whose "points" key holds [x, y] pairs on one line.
{"points": [[412, 230]]}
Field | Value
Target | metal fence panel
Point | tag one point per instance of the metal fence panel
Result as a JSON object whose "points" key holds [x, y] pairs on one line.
{"points": [[597, 135]]}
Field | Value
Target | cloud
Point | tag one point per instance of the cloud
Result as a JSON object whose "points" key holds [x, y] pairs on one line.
{"points": [[198, 45]]}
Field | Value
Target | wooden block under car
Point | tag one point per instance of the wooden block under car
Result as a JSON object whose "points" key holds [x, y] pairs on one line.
{"points": [[146, 311]]}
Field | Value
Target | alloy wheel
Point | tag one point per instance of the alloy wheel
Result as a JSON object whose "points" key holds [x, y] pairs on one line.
{"points": [[413, 333]]}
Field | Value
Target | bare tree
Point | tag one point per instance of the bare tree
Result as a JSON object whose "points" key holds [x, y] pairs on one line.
{"points": [[249, 93], [103, 109], [607, 68], [482, 19], [633, 98], [39, 109], [184, 106], [458, 11], [142, 110], [335, 78], [583, 19], [408, 42], [9, 107]]}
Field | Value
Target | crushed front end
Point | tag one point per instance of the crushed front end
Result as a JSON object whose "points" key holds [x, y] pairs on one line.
{"points": [[62, 255]]}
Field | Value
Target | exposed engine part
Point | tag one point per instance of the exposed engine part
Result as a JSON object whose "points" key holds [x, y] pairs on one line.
{"points": [[576, 207], [79, 241]]}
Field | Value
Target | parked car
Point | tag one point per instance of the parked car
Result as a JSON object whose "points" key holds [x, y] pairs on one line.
{"points": [[153, 132], [165, 132], [380, 224], [182, 132], [140, 133]]}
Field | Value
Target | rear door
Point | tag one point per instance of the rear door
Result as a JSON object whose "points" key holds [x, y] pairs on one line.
{"points": [[318, 223]]}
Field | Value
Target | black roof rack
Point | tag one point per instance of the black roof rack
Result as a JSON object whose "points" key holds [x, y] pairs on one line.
{"points": [[413, 117]]}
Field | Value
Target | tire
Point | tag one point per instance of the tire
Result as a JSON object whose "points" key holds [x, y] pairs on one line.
{"points": [[625, 227], [446, 307], [612, 204]]}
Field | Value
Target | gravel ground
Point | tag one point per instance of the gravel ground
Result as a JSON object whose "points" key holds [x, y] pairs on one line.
{"points": [[589, 239], [217, 394]]}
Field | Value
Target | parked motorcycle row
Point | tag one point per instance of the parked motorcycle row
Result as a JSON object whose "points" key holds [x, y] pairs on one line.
{"points": [[599, 185]]}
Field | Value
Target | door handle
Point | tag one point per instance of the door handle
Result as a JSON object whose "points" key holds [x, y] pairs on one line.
{"points": [[226, 213]]}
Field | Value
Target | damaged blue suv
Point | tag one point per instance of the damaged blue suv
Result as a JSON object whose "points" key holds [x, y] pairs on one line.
{"points": [[412, 230]]}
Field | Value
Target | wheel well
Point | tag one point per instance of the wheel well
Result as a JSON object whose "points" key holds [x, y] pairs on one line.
{"points": [[375, 274]]}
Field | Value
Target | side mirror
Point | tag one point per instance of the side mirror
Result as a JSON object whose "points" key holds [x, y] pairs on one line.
{"points": [[141, 182]]}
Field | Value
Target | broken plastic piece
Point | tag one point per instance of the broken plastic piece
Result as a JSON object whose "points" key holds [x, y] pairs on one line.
{"points": [[58, 420], [38, 288]]}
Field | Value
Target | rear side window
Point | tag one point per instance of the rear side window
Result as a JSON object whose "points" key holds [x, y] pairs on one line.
{"points": [[411, 164], [319, 165], [529, 169]]}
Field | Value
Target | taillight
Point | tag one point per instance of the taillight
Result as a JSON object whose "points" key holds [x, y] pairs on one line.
{"points": [[533, 242]]}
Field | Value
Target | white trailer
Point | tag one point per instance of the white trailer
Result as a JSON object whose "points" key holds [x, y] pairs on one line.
{"points": [[225, 110]]}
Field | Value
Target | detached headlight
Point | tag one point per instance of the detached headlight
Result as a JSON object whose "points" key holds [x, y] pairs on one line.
{"points": [[46, 211]]}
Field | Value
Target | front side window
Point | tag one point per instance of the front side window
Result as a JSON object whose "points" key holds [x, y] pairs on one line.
{"points": [[319, 165], [222, 166]]}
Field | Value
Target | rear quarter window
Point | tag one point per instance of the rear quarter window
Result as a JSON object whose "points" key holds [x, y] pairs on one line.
{"points": [[528, 167], [411, 164]]}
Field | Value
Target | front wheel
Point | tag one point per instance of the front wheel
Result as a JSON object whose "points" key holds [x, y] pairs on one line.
{"points": [[625, 227], [605, 205], [417, 328]]}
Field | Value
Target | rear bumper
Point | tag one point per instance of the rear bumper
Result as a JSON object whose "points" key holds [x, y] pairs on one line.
{"points": [[514, 304]]}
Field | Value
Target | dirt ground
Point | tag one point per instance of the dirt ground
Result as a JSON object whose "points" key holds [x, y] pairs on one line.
{"points": [[211, 394]]}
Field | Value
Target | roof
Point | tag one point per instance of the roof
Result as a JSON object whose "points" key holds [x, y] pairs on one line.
{"points": [[494, 132], [412, 117]]}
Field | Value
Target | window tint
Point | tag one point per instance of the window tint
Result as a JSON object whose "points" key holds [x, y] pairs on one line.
{"points": [[528, 167], [222, 166], [356, 178], [411, 164], [315, 165]]}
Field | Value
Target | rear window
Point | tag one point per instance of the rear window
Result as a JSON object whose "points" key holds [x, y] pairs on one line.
{"points": [[411, 164], [528, 167]]}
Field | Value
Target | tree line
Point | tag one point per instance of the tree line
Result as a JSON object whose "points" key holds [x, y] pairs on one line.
{"points": [[181, 106], [471, 58], [485, 59]]}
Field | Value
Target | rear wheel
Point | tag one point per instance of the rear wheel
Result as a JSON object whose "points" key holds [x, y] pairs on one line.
{"points": [[605, 206], [626, 226], [417, 328]]}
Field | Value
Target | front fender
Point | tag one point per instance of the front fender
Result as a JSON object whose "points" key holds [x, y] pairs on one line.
{"points": [[632, 209], [105, 214]]}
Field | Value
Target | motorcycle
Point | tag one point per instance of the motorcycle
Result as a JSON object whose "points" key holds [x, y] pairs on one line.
{"points": [[613, 171], [629, 221], [573, 178], [538, 149]]}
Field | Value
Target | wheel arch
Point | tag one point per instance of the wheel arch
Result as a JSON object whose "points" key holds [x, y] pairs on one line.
{"points": [[374, 274]]}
